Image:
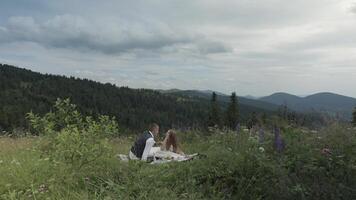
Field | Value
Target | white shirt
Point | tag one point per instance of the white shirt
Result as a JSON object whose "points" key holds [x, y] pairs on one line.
{"points": [[149, 144]]}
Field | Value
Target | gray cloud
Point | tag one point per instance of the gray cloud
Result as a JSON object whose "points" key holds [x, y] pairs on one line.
{"points": [[353, 8], [67, 31], [248, 46]]}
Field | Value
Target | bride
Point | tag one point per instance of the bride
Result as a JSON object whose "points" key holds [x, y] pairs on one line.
{"points": [[170, 143], [169, 149]]}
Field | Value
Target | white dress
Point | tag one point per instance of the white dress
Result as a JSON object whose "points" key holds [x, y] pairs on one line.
{"points": [[161, 156]]}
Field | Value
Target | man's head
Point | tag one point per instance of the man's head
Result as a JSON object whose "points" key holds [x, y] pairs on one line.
{"points": [[154, 128]]}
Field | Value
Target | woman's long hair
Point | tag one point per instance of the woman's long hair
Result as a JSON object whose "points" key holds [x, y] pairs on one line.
{"points": [[171, 140]]}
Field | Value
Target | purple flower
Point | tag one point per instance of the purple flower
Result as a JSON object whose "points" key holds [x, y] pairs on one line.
{"points": [[261, 135], [238, 127], [278, 141]]}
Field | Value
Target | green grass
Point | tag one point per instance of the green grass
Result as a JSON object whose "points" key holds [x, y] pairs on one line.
{"points": [[235, 168]]}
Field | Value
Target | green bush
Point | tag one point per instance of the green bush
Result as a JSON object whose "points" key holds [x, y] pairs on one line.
{"points": [[70, 138]]}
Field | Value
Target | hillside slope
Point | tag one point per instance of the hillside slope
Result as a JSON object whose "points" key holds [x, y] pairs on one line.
{"points": [[22, 90]]}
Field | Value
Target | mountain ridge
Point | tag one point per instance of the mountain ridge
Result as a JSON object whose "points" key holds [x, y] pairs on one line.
{"points": [[326, 102], [323, 102]]}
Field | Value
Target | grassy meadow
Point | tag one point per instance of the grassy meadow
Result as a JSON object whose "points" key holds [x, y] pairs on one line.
{"points": [[312, 165]]}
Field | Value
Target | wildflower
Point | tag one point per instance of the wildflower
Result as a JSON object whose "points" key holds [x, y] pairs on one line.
{"points": [[43, 188], [261, 149], [14, 161], [326, 151], [261, 135], [278, 141], [238, 128]]}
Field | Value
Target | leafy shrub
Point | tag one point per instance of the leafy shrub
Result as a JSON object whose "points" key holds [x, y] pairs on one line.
{"points": [[70, 138]]}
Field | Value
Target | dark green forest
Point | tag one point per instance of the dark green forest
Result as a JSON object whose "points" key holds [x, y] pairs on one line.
{"points": [[23, 91]]}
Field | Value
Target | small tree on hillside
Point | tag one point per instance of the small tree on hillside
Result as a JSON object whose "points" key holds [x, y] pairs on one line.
{"points": [[252, 121], [354, 117], [232, 112], [264, 118], [214, 115], [283, 111]]}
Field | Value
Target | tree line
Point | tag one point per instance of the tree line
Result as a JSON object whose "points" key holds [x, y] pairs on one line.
{"points": [[229, 117], [23, 91]]}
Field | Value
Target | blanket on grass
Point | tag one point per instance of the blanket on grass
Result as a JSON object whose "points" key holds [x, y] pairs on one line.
{"points": [[158, 156]]}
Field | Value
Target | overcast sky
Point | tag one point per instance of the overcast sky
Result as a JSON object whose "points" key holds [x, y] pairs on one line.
{"points": [[252, 47]]}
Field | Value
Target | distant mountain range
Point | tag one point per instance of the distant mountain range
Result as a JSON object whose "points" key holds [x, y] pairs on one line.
{"points": [[321, 102], [325, 102]]}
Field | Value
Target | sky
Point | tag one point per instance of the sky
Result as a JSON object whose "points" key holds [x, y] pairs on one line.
{"points": [[251, 47]]}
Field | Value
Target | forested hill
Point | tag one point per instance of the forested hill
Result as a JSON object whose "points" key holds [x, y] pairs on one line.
{"points": [[22, 90]]}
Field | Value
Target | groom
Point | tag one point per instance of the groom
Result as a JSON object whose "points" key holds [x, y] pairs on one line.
{"points": [[141, 148]]}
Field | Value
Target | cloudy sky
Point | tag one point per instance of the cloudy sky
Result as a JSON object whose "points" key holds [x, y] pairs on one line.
{"points": [[252, 47]]}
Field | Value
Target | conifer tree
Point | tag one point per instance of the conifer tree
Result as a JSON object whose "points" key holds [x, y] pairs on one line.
{"points": [[232, 112], [214, 115], [252, 120]]}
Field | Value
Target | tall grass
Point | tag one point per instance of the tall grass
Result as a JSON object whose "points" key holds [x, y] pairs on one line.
{"points": [[237, 166]]}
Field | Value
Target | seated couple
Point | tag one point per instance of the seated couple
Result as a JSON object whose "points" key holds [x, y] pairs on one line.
{"points": [[143, 148]]}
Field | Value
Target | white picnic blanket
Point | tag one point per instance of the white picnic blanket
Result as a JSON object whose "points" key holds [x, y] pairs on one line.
{"points": [[160, 156]]}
